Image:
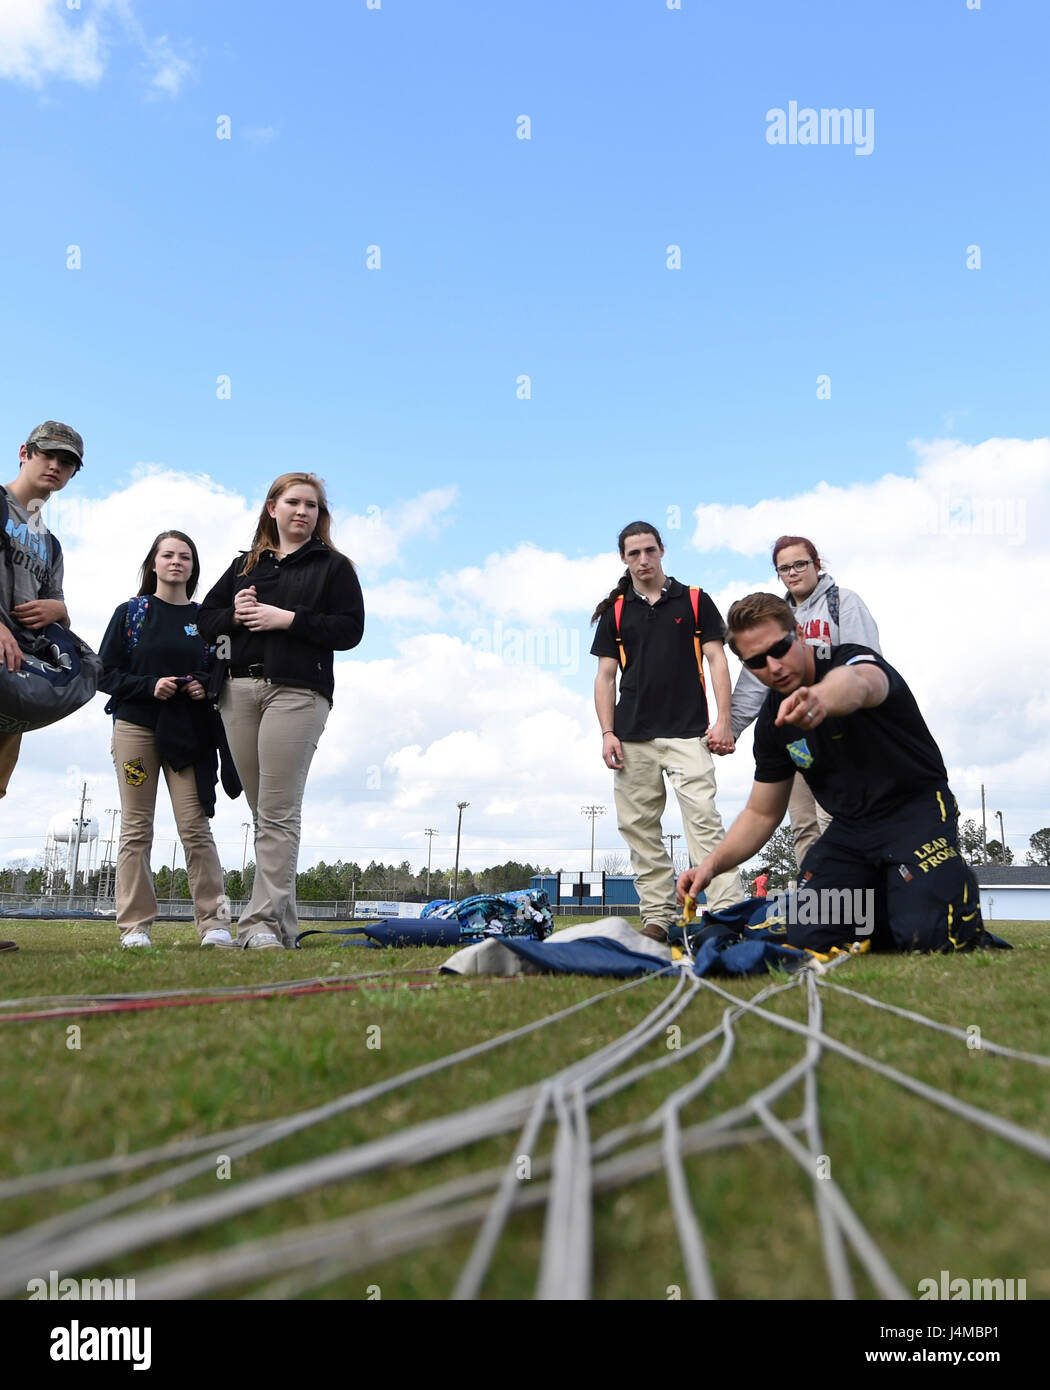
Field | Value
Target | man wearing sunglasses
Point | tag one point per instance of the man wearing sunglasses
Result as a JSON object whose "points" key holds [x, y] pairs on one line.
{"points": [[847, 721]]}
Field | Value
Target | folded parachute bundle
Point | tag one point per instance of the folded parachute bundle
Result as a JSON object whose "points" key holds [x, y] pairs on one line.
{"points": [[59, 674], [524, 913], [750, 938]]}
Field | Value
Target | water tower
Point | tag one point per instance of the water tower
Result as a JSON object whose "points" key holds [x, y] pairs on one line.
{"points": [[71, 839]]}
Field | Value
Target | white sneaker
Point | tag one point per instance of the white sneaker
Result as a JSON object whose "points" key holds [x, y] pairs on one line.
{"points": [[263, 941], [136, 938], [217, 936]]}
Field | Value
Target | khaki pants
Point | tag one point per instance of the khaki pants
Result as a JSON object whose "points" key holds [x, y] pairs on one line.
{"points": [[273, 732], [640, 799], [809, 820], [138, 772], [9, 746]]}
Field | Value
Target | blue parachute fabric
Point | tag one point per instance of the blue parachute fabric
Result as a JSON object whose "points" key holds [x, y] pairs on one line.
{"points": [[394, 931], [524, 913], [723, 956], [591, 955], [750, 938]]}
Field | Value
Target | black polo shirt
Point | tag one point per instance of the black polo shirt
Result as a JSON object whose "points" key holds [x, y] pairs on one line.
{"points": [[660, 691], [867, 764]]}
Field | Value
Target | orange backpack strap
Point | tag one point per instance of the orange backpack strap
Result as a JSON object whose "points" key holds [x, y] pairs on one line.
{"points": [[617, 610], [694, 599]]}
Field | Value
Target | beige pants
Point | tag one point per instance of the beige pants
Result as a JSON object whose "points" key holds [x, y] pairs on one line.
{"points": [[641, 795], [809, 820], [138, 772], [273, 732], [9, 746]]}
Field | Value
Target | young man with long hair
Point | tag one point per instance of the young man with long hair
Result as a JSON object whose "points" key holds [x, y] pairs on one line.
{"points": [[659, 727]]}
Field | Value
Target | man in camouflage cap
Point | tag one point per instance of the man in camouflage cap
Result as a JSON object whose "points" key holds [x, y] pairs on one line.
{"points": [[31, 565]]}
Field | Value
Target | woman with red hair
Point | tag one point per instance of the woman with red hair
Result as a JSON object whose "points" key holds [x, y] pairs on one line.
{"points": [[828, 616]]}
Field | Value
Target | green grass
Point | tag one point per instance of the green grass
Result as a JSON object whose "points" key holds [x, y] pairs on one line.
{"points": [[935, 1192]]}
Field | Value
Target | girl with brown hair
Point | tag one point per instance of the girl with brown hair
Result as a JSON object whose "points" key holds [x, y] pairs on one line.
{"points": [[284, 607], [154, 668]]}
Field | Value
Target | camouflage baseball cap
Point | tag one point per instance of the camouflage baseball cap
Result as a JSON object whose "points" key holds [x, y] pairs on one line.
{"points": [[52, 436]]}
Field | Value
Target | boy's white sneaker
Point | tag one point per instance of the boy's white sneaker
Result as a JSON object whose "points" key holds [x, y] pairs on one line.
{"points": [[217, 936], [136, 938], [263, 941]]}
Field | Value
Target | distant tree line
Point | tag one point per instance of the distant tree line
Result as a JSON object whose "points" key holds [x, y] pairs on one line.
{"points": [[400, 882]]}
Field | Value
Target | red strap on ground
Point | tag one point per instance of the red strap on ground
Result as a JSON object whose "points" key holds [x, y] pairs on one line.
{"points": [[135, 1005]]}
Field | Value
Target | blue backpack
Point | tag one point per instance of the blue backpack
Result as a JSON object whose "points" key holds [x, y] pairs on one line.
{"points": [[59, 672]]}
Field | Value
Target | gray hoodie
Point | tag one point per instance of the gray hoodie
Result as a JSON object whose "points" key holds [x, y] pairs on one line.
{"points": [[829, 616]]}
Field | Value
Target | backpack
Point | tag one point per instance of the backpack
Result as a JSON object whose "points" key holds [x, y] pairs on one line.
{"points": [[59, 671], [138, 607], [694, 599]]}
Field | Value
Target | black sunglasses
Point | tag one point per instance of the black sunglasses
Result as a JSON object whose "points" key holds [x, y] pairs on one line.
{"points": [[777, 650]]}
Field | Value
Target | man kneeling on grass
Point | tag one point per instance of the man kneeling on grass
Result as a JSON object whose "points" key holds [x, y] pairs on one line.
{"points": [[851, 726]]}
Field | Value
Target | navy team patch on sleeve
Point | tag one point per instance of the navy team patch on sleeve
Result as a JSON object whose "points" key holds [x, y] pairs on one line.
{"points": [[134, 773]]}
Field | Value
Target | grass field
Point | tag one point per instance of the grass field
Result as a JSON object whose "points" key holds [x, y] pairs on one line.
{"points": [[934, 1191]]}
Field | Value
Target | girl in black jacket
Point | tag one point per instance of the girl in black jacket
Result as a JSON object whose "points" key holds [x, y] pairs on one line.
{"points": [[277, 615], [154, 662]]}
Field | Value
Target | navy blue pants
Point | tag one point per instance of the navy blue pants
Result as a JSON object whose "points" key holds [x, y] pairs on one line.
{"points": [[903, 876]]}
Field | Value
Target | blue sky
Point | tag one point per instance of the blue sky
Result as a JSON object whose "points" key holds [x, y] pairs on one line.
{"points": [[652, 389]]}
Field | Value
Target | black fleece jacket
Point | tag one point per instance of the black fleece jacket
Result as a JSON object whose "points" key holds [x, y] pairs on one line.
{"points": [[322, 590]]}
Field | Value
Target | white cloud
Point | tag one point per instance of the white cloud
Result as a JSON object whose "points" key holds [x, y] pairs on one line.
{"points": [[171, 70], [259, 135], [42, 39], [526, 588], [46, 39], [952, 562], [449, 717], [375, 540]]}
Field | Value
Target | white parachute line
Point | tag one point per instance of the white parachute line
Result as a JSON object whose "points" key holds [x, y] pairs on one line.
{"points": [[1036, 1058], [240, 1141], [567, 1255], [45, 1235], [68, 1242], [835, 1258], [314, 1255], [1027, 1139]]}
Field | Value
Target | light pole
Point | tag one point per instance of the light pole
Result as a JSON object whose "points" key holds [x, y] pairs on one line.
{"points": [[1002, 834], [462, 805], [244, 857], [670, 840], [113, 812], [76, 852], [430, 845], [984, 829], [593, 812]]}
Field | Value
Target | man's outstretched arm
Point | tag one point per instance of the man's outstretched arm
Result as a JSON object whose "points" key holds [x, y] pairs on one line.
{"points": [[749, 832]]}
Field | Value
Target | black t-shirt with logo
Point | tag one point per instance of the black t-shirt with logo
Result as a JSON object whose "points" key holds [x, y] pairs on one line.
{"points": [[168, 645], [865, 764], [660, 691]]}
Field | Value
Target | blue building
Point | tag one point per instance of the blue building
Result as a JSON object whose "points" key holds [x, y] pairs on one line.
{"points": [[621, 895], [620, 892]]}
